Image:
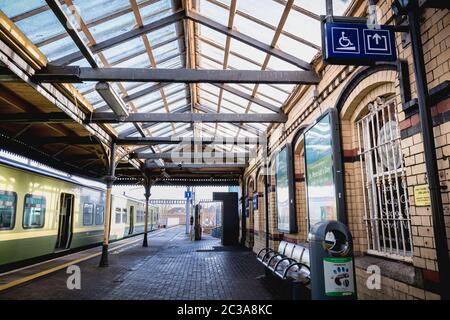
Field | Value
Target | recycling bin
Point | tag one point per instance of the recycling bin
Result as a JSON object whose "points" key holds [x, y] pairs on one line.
{"points": [[331, 262]]}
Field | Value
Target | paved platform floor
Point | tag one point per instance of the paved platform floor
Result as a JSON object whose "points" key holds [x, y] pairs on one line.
{"points": [[172, 267]]}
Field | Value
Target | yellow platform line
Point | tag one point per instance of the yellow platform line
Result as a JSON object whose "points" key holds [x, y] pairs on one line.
{"points": [[57, 268]]}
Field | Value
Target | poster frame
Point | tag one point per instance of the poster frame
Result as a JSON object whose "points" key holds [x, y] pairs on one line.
{"points": [[291, 187], [337, 160]]}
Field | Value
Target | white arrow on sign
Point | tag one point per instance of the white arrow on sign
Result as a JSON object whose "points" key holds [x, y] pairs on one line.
{"points": [[377, 38]]}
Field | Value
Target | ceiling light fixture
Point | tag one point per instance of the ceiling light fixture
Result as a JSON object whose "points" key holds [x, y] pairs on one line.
{"points": [[111, 98]]}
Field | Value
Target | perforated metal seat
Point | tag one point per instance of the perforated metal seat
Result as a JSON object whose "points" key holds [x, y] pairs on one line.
{"points": [[266, 254], [287, 253], [290, 261]]}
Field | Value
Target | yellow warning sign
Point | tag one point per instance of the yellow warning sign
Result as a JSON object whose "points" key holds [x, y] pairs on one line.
{"points": [[422, 195]]}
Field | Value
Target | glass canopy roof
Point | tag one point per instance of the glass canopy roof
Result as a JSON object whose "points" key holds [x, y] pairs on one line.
{"points": [[290, 26]]}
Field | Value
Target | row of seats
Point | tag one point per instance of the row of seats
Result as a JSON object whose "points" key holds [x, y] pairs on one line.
{"points": [[290, 261]]}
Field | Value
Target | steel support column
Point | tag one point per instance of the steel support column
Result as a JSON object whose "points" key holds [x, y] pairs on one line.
{"points": [[147, 194], [108, 207], [426, 123]]}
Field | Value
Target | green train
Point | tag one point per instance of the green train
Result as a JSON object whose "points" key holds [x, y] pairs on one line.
{"points": [[44, 214]]}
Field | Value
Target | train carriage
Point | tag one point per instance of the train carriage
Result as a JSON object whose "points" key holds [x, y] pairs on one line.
{"points": [[43, 213]]}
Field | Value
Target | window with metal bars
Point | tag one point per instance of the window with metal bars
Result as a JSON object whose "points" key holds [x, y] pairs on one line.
{"points": [[383, 181]]}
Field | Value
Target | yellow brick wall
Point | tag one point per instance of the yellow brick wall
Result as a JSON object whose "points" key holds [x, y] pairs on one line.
{"points": [[435, 27]]}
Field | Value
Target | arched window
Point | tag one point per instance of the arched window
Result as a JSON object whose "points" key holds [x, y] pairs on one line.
{"points": [[383, 181]]}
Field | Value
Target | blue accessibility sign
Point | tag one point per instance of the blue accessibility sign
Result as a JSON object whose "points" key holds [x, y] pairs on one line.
{"points": [[358, 44]]}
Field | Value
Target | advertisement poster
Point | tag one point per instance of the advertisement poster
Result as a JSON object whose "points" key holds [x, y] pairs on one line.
{"points": [[255, 201], [319, 172], [282, 191], [338, 273]]}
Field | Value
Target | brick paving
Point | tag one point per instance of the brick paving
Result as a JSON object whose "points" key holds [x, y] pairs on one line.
{"points": [[172, 267]]}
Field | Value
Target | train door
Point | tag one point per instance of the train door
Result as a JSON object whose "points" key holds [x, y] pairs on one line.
{"points": [[65, 221], [130, 231]]}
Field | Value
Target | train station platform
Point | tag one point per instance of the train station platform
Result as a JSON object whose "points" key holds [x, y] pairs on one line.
{"points": [[171, 268]]}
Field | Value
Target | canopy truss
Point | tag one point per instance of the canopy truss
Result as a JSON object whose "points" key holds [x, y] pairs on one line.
{"points": [[194, 69]]}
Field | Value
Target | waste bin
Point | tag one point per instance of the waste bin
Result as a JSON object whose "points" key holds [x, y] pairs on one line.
{"points": [[331, 262]]}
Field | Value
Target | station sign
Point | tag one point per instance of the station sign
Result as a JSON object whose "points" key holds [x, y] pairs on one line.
{"points": [[188, 194], [357, 43]]}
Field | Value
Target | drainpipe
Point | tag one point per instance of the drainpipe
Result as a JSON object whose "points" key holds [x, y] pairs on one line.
{"points": [[266, 208], [426, 123]]}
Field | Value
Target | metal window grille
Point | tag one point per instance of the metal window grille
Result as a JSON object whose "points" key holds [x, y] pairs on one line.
{"points": [[383, 178]]}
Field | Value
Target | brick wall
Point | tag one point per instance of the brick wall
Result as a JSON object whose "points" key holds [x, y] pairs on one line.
{"points": [[303, 109]]}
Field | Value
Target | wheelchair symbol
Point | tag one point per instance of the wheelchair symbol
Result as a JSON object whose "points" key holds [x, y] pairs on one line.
{"points": [[345, 43]]}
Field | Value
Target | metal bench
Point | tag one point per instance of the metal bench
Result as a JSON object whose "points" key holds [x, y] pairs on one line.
{"points": [[290, 261]]}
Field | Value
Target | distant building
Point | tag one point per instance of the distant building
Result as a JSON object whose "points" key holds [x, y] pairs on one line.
{"points": [[171, 215]]}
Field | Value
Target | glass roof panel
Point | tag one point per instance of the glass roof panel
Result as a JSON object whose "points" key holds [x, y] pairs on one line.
{"points": [[269, 91], [167, 50], [253, 29], [124, 50], [92, 9], [267, 11], [211, 51], [206, 63], [175, 62], [213, 12], [40, 27], [247, 51], [339, 6], [141, 61], [317, 7], [235, 62], [296, 48], [112, 27], [59, 48], [304, 27], [123, 126], [278, 64], [156, 11], [18, 7]]}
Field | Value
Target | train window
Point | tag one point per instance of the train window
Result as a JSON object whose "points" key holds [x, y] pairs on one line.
{"points": [[88, 214], [99, 212], [8, 202], [118, 215], [124, 215], [141, 216], [34, 211]]}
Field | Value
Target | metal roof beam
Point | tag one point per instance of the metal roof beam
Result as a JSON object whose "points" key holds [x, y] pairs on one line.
{"points": [[149, 125], [58, 74], [149, 164], [87, 140], [248, 97], [29, 117], [185, 140], [191, 156], [109, 117]]}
